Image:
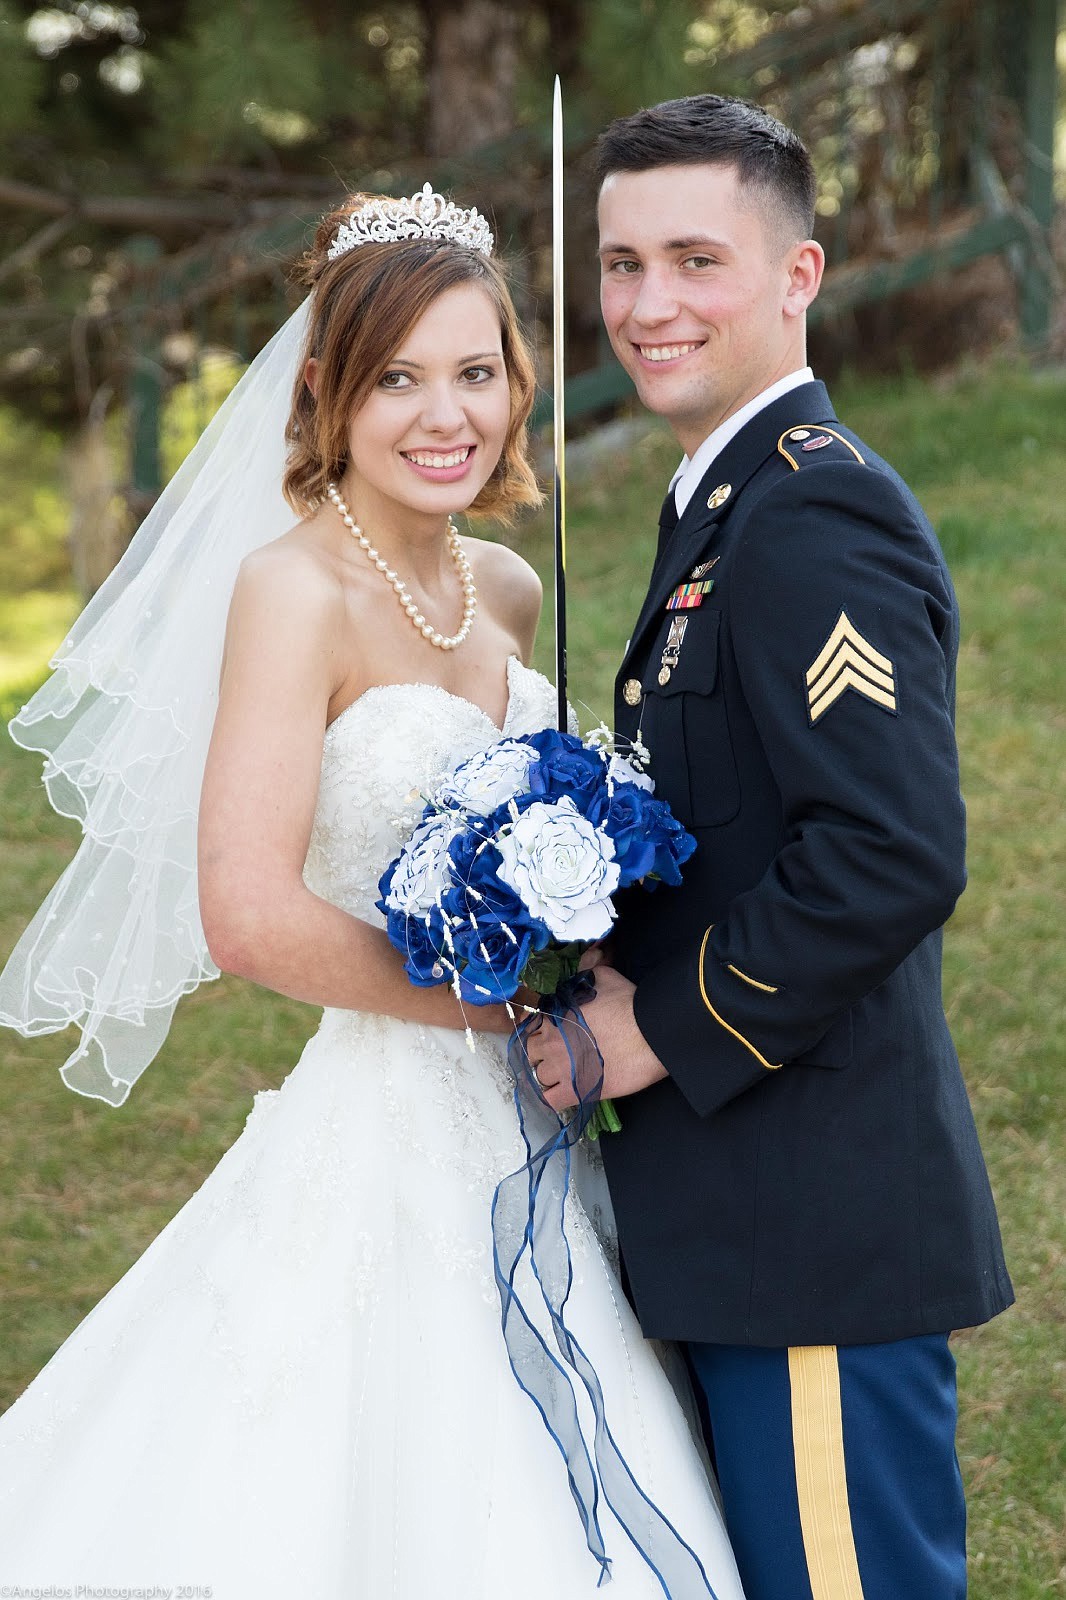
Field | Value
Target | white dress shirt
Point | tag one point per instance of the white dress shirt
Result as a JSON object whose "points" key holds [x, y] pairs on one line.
{"points": [[686, 479]]}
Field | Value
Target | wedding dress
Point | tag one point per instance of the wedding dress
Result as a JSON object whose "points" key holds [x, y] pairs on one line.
{"points": [[301, 1389]]}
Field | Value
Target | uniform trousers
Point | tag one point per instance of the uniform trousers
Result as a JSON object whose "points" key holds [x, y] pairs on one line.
{"points": [[837, 1467]]}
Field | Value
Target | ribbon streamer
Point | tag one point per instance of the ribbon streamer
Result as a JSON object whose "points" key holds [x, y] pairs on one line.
{"points": [[528, 1227]]}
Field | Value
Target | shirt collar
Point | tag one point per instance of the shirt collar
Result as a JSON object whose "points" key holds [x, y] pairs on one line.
{"points": [[692, 469]]}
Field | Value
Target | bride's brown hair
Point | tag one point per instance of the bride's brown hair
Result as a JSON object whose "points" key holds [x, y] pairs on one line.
{"points": [[364, 304]]}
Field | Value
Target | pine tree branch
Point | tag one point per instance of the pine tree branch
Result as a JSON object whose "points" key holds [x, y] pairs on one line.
{"points": [[36, 245], [130, 211]]}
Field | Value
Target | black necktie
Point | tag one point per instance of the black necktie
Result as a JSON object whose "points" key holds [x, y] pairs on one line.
{"points": [[667, 521]]}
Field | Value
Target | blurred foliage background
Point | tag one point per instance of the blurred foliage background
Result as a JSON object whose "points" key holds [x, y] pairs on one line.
{"points": [[161, 166]]}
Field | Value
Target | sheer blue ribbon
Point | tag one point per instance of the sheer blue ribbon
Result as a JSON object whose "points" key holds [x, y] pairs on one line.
{"points": [[528, 1213]]}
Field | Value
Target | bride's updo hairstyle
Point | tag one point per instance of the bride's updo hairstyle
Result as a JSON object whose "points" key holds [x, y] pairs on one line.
{"points": [[364, 304]]}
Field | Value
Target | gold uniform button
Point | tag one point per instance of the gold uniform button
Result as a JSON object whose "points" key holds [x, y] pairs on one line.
{"points": [[800, 433], [719, 496], [632, 691]]}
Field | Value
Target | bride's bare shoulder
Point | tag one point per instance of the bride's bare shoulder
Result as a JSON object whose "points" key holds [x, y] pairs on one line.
{"points": [[294, 574], [509, 587]]}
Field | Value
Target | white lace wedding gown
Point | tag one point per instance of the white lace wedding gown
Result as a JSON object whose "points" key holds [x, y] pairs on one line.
{"points": [[301, 1389]]}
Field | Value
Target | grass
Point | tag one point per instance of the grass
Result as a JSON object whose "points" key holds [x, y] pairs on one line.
{"points": [[83, 1189]]}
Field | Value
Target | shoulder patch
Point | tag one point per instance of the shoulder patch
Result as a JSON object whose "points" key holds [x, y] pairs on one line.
{"points": [[802, 443], [848, 661]]}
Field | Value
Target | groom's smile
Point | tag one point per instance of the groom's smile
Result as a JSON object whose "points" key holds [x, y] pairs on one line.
{"points": [[658, 353]]}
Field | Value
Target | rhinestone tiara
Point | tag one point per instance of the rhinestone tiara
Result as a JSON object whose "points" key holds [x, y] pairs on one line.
{"points": [[424, 216]]}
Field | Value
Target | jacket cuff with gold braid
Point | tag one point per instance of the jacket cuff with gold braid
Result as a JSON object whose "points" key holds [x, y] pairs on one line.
{"points": [[700, 1022]]}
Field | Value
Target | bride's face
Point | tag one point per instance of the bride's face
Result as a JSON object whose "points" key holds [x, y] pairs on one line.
{"points": [[434, 428]]}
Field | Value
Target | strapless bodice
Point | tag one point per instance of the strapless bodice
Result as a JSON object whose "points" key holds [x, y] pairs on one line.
{"points": [[381, 756]]}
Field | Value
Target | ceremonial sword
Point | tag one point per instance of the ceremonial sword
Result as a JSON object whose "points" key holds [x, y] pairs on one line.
{"points": [[558, 378]]}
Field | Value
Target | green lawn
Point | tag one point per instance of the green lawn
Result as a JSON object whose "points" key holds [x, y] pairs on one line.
{"points": [[83, 1188]]}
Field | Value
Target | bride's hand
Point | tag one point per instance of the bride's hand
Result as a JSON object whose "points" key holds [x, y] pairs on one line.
{"points": [[629, 1063]]}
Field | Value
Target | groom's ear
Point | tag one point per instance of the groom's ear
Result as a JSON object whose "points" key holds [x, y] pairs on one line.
{"points": [[805, 263], [311, 375]]}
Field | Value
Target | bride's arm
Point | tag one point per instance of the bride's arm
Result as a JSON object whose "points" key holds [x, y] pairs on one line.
{"points": [[257, 806]]}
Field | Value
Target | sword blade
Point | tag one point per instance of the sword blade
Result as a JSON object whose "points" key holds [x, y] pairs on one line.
{"points": [[558, 380]]}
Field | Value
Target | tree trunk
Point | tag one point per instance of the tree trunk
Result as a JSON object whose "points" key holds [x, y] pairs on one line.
{"points": [[472, 57]]}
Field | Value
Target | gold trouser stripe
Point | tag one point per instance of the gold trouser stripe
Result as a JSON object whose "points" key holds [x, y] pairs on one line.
{"points": [[821, 1481], [771, 1066]]}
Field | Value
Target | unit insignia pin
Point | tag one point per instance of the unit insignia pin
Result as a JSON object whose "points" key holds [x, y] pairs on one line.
{"points": [[817, 444], [631, 691], [719, 496], [672, 652], [800, 433]]}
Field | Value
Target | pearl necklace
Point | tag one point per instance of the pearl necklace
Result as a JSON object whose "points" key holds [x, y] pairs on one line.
{"points": [[403, 594]]}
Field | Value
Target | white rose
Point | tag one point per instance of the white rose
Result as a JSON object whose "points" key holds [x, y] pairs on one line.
{"points": [[488, 779], [562, 868], [424, 868], [622, 771]]}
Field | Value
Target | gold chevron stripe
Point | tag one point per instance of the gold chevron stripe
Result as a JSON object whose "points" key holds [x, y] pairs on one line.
{"points": [[845, 631], [821, 1477], [848, 657], [771, 1066], [851, 680]]}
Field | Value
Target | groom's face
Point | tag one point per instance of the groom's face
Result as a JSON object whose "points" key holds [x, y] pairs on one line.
{"points": [[697, 292]]}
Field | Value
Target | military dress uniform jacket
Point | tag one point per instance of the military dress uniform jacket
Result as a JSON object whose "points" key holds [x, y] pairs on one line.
{"points": [[809, 1173]]}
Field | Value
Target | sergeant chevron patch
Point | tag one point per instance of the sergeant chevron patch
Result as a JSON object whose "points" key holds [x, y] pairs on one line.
{"points": [[848, 661]]}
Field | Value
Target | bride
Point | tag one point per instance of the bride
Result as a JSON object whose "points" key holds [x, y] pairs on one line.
{"points": [[301, 1388]]}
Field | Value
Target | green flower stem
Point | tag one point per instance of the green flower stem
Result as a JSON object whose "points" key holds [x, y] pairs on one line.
{"points": [[604, 1119]]}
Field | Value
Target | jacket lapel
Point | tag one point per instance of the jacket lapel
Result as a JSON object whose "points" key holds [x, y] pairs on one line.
{"points": [[701, 521]]}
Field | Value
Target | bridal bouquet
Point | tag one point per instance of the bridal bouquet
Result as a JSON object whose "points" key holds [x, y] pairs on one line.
{"points": [[510, 872]]}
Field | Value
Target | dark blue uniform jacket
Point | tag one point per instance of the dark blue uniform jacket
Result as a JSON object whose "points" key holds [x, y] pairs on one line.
{"points": [[810, 1171]]}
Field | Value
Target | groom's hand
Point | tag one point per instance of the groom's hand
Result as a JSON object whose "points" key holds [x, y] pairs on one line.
{"points": [[628, 1061]]}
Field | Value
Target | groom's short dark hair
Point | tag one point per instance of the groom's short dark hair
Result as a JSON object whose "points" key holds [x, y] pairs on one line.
{"points": [[720, 131]]}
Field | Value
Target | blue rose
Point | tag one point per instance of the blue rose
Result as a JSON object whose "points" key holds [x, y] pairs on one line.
{"points": [[673, 844], [490, 961], [547, 741], [476, 869], [568, 767], [421, 943], [466, 862], [631, 823]]}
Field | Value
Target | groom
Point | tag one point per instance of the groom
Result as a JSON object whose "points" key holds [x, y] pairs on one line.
{"points": [[800, 1194]]}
